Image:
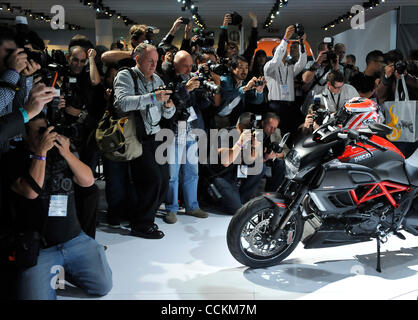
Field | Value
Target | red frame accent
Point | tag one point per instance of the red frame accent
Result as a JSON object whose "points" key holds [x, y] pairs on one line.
{"points": [[385, 192]]}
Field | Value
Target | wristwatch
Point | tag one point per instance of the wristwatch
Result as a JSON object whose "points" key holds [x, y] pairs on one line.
{"points": [[82, 116]]}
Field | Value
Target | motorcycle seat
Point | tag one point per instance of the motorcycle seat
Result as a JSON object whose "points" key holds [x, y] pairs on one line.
{"points": [[411, 168]]}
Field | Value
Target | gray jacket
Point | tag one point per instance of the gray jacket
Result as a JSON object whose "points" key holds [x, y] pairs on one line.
{"points": [[126, 100]]}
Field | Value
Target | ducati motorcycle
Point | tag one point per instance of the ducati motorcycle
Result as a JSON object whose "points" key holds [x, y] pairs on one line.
{"points": [[342, 186]]}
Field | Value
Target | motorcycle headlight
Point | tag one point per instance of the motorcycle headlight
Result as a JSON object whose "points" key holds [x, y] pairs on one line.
{"points": [[292, 162]]}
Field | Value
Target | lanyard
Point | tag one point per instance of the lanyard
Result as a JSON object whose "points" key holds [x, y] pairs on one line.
{"points": [[148, 114], [338, 103], [280, 74]]}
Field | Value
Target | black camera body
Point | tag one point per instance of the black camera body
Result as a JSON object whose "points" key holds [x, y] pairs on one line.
{"points": [[182, 114], [400, 67], [185, 20], [236, 19], [331, 56], [274, 147], [299, 30], [258, 83], [216, 68], [208, 86], [205, 39]]}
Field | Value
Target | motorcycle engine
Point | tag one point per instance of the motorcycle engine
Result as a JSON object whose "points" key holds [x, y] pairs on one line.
{"points": [[379, 214]]}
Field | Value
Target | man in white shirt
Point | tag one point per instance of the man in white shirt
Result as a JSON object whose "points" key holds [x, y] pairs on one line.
{"points": [[337, 93], [280, 76]]}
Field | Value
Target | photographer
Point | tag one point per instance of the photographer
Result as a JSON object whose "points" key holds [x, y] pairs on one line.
{"points": [[12, 125], [233, 181], [228, 49], [314, 118], [273, 158], [314, 76], [337, 93], [190, 98], [280, 78], [43, 175], [235, 92], [15, 71], [394, 69], [150, 106]]}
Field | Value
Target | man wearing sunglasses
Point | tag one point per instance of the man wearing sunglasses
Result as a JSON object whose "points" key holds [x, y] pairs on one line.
{"points": [[337, 93]]}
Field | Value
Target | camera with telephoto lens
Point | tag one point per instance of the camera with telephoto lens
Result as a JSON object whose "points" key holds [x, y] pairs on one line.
{"points": [[207, 85], [331, 55], [205, 39], [400, 67], [299, 30]]}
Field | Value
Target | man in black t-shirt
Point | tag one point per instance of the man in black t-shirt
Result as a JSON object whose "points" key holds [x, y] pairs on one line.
{"points": [[42, 174]]}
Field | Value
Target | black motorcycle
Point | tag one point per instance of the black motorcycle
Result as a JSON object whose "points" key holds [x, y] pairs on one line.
{"points": [[342, 187]]}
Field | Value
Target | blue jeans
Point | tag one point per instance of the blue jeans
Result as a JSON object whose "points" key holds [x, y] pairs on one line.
{"points": [[82, 259], [183, 160]]}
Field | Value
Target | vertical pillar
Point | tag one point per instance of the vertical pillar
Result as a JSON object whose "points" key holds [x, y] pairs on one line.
{"points": [[104, 30]]}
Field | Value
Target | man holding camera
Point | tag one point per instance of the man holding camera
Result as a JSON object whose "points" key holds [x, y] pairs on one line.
{"points": [[150, 106], [228, 49], [190, 98], [15, 72], [280, 77], [43, 174], [236, 183], [235, 92], [12, 125], [314, 76], [273, 155]]}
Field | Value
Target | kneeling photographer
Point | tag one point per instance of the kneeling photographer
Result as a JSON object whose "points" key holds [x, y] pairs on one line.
{"points": [[237, 175], [43, 176], [191, 94]]}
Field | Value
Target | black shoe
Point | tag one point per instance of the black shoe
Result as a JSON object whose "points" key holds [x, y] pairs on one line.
{"points": [[113, 222], [150, 233]]}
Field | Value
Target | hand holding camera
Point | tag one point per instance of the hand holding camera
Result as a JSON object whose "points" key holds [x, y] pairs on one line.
{"points": [[163, 95], [31, 68], [192, 84], [17, 60], [39, 96], [47, 141]]}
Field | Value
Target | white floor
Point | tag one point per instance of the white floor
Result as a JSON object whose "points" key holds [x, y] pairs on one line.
{"points": [[192, 262]]}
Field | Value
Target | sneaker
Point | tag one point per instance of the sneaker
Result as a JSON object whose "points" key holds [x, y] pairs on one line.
{"points": [[170, 217], [198, 213], [149, 233]]}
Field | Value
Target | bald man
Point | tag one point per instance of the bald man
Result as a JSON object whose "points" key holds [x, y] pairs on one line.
{"points": [[182, 153]]}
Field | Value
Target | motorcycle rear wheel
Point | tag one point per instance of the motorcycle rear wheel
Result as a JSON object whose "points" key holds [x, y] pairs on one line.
{"points": [[249, 235]]}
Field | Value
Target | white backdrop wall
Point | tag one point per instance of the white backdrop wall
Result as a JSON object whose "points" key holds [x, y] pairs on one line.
{"points": [[379, 34]]}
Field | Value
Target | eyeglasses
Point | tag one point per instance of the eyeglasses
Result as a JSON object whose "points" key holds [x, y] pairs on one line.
{"points": [[82, 61], [340, 87]]}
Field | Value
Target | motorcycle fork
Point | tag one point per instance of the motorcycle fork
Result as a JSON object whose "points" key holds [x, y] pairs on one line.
{"points": [[293, 209]]}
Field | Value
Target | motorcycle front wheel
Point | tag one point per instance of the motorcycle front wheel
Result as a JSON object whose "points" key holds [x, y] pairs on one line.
{"points": [[250, 238]]}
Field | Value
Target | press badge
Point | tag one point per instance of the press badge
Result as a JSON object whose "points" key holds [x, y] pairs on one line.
{"points": [[58, 206], [193, 115], [285, 92], [242, 171], [72, 80]]}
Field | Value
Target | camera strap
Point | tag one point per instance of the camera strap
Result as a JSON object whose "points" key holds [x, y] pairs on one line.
{"points": [[287, 74], [10, 86], [337, 105], [32, 183]]}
